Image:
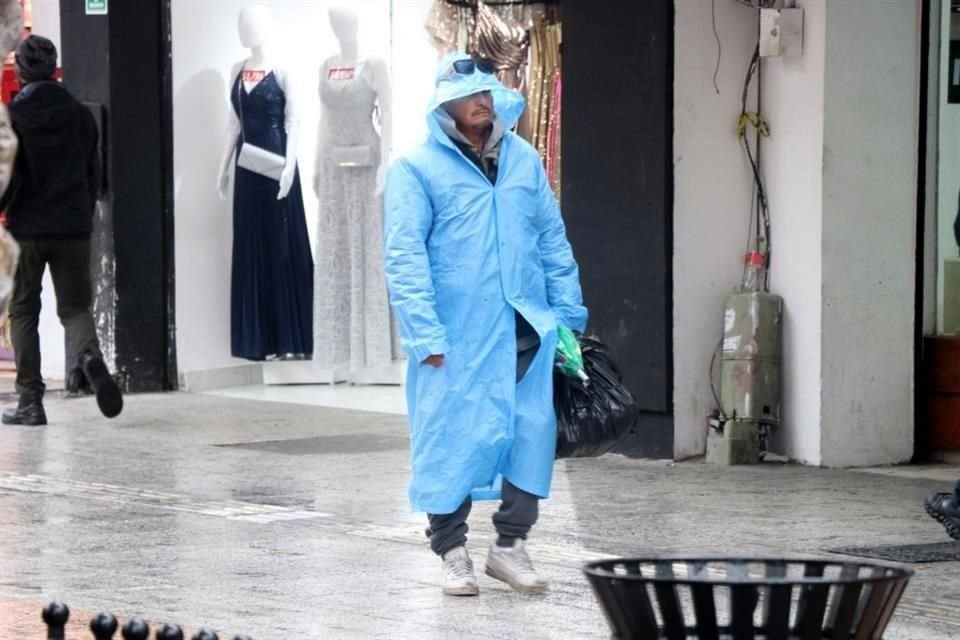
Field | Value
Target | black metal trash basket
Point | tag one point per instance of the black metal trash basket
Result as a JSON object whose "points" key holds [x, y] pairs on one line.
{"points": [[741, 599]]}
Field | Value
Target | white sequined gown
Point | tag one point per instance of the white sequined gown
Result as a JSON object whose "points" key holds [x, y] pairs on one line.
{"points": [[352, 319]]}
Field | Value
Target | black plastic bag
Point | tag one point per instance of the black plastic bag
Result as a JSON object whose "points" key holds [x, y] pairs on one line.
{"points": [[591, 418]]}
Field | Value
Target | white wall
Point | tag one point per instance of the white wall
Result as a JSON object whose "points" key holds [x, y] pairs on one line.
{"points": [[205, 46], [46, 19], [712, 194], [792, 162], [414, 67], [869, 232]]}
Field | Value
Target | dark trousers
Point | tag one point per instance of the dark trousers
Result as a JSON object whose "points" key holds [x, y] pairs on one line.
{"points": [[69, 261], [518, 513]]}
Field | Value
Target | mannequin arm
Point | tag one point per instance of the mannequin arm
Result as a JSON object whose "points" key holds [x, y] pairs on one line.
{"points": [[292, 126], [385, 101], [319, 145], [233, 133], [223, 176], [317, 162]]}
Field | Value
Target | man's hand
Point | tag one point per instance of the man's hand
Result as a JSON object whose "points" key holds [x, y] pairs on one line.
{"points": [[435, 361]]}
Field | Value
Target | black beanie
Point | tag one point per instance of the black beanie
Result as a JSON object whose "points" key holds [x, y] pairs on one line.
{"points": [[36, 59]]}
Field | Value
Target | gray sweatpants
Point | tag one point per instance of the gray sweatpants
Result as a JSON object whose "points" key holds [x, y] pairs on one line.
{"points": [[518, 513]]}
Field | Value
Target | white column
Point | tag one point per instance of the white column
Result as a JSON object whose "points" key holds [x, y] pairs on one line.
{"points": [[871, 112], [792, 161], [841, 171]]}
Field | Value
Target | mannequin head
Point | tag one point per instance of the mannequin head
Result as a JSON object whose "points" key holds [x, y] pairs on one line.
{"points": [[255, 24], [344, 21]]}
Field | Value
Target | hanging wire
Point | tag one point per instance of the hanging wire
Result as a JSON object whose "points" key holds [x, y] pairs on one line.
{"points": [[716, 71], [757, 122], [751, 235], [713, 387]]}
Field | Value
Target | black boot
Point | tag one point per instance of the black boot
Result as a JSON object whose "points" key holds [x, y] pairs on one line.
{"points": [[943, 508], [109, 398], [77, 384], [29, 412]]}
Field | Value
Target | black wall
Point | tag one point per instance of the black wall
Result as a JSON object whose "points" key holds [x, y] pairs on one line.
{"points": [[122, 61], [617, 191]]}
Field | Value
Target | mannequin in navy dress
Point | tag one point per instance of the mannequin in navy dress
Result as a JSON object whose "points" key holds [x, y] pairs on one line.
{"points": [[272, 273]]}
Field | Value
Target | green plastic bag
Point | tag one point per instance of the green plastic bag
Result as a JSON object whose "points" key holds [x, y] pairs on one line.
{"points": [[569, 358]]}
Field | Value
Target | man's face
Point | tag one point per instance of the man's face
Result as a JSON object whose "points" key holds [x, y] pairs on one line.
{"points": [[473, 111]]}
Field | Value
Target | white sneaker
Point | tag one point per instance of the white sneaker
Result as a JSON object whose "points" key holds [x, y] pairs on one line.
{"points": [[513, 566], [458, 577]]}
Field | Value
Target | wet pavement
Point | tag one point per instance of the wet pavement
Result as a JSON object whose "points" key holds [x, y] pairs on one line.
{"points": [[288, 521]]}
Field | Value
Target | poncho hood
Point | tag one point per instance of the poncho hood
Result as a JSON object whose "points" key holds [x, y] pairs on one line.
{"points": [[450, 85]]}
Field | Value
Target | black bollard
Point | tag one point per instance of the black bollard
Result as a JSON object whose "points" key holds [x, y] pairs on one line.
{"points": [[55, 615], [104, 626], [205, 634], [135, 629], [169, 632]]}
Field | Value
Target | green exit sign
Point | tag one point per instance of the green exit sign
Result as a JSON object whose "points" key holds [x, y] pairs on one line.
{"points": [[96, 7]]}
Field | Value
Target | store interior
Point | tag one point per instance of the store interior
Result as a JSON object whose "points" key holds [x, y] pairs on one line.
{"points": [[348, 351], [361, 356]]}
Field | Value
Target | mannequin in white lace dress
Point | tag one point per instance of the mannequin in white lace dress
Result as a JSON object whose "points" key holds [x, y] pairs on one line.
{"points": [[352, 325]]}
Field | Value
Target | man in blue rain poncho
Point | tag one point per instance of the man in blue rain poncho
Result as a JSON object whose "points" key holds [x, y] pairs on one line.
{"points": [[480, 274]]}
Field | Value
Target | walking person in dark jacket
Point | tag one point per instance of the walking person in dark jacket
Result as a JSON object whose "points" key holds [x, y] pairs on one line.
{"points": [[50, 208]]}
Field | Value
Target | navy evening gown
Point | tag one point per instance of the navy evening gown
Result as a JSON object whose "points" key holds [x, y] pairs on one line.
{"points": [[271, 301]]}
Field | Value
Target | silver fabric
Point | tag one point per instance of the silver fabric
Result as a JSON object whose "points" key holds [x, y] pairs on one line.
{"points": [[351, 313]]}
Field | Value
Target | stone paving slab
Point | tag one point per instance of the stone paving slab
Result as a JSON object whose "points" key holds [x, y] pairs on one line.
{"points": [[151, 515]]}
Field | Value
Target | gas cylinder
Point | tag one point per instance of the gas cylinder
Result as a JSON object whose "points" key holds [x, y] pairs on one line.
{"points": [[751, 359]]}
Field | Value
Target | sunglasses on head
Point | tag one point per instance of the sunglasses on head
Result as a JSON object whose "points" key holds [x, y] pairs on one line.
{"points": [[467, 67]]}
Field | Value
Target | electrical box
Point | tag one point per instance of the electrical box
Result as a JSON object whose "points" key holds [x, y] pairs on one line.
{"points": [[781, 32]]}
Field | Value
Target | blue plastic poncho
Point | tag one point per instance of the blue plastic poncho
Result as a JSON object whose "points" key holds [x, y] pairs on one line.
{"points": [[463, 256]]}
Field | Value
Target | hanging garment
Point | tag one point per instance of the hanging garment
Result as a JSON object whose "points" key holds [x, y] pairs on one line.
{"points": [[352, 312], [450, 27], [544, 64], [505, 42], [553, 136], [272, 277], [464, 256]]}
